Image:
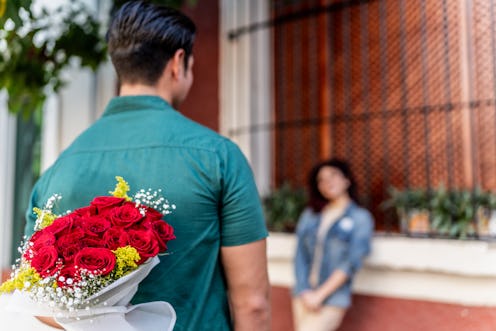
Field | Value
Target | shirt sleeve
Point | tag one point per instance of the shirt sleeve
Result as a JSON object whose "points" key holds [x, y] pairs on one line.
{"points": [[242, 219]]}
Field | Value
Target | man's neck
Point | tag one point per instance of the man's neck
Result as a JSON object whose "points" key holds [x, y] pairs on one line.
{"points": [[140, 89]]}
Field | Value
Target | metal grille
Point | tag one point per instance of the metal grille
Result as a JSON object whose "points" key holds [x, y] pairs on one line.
{"points": [[404, 90]]}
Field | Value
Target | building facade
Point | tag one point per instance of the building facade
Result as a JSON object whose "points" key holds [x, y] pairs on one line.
{"points": [[404, 90]]}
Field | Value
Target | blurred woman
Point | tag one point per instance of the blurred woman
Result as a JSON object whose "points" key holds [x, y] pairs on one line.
{"points": [[334, 236]]}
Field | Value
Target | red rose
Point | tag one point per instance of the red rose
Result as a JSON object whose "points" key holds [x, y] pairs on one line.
{"points": [[69, 252], [96, 225], [86, 211], [62, 224], [145, 242], [115, 237], [105, 202], [44, 261], [125, 215], [163, 231], [99, 261], [153, 214], [68, 276], [69, 244], [94, 242], [72, 237], [39, 240]]}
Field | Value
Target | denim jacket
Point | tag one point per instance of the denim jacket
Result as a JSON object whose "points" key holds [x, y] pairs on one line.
{"points": [[346, 244]]}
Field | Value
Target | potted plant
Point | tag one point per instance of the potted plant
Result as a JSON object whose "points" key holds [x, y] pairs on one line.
{"points": [[282, 208], [453, 213], [412, 207], [463, 214], [485, 214]]}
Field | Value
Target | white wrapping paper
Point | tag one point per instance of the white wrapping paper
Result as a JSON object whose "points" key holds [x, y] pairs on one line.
{"points": [[108, 310]]}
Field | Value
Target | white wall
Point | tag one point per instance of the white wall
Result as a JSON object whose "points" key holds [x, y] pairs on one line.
{"points": [[7, 164], [450, 271]]}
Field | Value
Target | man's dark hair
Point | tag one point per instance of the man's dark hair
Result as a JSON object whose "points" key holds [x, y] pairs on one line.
{"points": [[316, 201], [143, 37]]}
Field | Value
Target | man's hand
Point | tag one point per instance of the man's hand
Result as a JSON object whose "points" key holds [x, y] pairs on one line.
{"points": [[49, 321]]}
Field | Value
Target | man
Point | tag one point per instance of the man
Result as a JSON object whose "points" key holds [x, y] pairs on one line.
{"points": [[216, 273]]}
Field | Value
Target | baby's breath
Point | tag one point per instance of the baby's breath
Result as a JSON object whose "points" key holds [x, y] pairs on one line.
{"points": [[153, 199], [45, 217]]}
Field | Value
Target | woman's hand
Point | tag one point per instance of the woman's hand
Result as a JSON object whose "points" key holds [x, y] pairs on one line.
{"points": [[312, 300]]}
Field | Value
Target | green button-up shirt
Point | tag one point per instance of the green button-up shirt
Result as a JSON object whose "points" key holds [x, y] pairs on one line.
{"points": [[151, 145]]}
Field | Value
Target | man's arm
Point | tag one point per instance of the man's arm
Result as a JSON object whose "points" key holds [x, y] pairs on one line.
{"points": [[248, 285]]}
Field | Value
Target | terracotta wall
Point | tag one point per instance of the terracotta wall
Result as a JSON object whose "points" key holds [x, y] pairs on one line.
{"points": [[404, 90], [202, 104]]}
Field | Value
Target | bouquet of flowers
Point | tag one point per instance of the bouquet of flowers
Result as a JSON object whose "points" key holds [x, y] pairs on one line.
{"points": [[83, 267]]}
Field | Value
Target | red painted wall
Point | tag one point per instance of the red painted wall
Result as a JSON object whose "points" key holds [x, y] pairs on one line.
{"points": [[370, 313], [202, 104]]}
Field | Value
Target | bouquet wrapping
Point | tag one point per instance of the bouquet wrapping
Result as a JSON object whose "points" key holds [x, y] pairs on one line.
{"points": [[84, 267]]}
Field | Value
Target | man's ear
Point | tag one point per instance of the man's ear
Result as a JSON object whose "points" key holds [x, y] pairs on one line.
{"points": [[177, 63]]}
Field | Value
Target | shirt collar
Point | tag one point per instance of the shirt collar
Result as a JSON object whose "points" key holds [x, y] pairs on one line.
{"points": [[122, 104], [351, 205]]}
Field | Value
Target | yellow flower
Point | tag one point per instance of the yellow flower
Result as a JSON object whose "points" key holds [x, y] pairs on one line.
{"points": [[126, 258], [46, 217], [121, 189], [3, 6], [26, 278]]}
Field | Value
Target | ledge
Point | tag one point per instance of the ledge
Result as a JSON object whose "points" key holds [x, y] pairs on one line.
{"points": [[453, 271]]}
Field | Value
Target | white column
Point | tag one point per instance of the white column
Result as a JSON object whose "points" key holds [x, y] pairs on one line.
{"points": [[7, 167], [50, 132], [246, 88], [261, 97]]}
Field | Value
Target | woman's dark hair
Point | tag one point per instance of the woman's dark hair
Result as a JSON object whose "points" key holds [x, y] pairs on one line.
{"points": [[316, 200], [143, 37]]}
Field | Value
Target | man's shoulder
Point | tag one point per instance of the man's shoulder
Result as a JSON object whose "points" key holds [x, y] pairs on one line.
{"points": [[200, 136], [168, 128]]}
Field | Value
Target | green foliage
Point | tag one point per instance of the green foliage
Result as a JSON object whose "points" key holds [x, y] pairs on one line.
{"points": [[10, 9], [440, 210], [485, 199], [36, 46], [452, 212], [283, 207], [407, 200]]}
